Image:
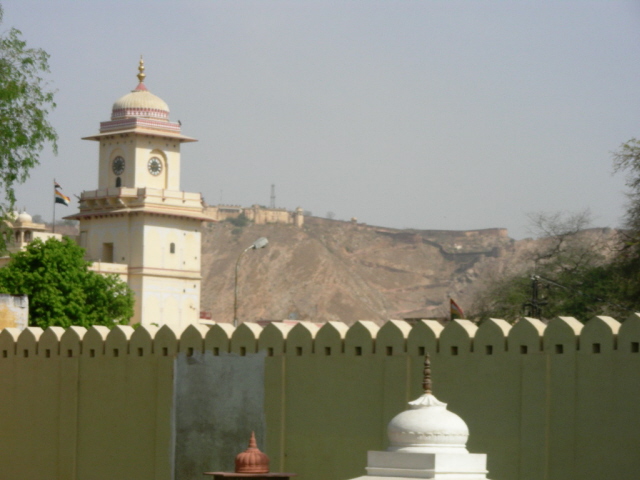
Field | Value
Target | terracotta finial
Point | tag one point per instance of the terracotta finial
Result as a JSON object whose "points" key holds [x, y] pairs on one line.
{"points": [[252, 441], [141, 75], [426, 381], [252, 460]]}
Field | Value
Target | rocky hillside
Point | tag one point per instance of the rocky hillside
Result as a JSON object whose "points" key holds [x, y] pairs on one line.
{"points": [[335, 270]]}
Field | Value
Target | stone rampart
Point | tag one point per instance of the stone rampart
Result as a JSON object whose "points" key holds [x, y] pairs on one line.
{"points": [[556, 401]]}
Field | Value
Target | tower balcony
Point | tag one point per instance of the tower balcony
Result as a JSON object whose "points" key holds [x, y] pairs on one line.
{"points": [[123, 200]]}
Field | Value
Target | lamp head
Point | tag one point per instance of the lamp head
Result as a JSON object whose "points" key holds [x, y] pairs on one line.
{"points": [[260, 243]]}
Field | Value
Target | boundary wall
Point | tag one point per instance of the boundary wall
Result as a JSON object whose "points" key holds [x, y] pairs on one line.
{"points": [[556, 401]]}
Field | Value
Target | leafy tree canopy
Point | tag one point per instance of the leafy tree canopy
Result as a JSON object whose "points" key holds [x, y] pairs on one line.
{"points": [[62, 290], [580, 275], [572, 268], [240, 221], [25, 104], [627, 159]]}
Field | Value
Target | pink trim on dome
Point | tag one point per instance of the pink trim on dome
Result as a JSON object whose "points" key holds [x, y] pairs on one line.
{"points": [[139, 112], [141, 88], [139, 122]]}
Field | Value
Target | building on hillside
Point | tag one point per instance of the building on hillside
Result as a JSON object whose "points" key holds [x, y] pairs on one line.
{"points": [[257, 214], [138, 223]]}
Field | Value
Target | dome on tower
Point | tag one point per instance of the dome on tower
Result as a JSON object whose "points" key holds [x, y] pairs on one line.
{"points": [[140, 102], [427, 426]]}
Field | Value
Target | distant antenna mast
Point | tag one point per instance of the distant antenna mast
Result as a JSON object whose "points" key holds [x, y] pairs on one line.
{"points": [[273, 196]]}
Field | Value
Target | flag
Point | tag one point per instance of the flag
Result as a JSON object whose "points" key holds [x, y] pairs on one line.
{"points": [[455, 310], [61, 198], [56, 185]]}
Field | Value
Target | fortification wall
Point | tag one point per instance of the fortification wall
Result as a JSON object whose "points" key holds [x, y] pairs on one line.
{"points": [[256, 213], [545, 402]]}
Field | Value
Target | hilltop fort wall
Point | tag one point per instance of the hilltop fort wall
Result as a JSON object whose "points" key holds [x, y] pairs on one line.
{"points": [[556, 401], [257, 214]]}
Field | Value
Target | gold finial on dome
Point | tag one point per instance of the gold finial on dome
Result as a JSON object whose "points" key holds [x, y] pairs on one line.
{"points": [[141, 75]]}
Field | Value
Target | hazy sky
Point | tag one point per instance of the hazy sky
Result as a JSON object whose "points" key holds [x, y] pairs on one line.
{"points": [[421, 114]]}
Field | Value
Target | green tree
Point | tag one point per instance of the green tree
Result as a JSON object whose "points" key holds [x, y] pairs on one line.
{"points": [[240, 221], [62, 290], [579, 273], [571, 265], [25, 104], [627, 160]]}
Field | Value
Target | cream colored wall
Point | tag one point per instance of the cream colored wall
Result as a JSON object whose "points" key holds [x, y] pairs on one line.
{"points": [[167, 300], [80, 404], [103, 268], [136, 284], [329, 394], [14, 246], [166, 286], [125, 232], [160, 232], [137, 149], [111, 147], [170, 289]]}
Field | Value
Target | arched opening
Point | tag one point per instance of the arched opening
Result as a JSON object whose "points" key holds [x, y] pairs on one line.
{"points": [[118, 182], [172, 247]]}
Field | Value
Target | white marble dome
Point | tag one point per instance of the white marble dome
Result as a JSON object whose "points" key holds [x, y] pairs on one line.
{"points": [[427, 427], [24, 217]]}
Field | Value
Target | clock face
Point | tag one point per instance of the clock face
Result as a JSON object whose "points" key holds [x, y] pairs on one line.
{"points": [[155, 166], [118, 165]]}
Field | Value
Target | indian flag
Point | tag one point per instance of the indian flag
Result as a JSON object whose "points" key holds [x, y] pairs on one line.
{"points": [[60, 197], [455, 310]]}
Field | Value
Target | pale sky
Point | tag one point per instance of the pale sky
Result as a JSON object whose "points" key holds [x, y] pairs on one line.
{"points": [[409, 114]]}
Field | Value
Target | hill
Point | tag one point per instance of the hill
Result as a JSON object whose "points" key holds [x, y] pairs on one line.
{"points": [[335, 270]]}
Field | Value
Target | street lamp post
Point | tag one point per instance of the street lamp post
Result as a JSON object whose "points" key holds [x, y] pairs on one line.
{"points": [[259, 243]]}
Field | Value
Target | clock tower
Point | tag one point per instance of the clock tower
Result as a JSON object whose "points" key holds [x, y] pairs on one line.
{"points": [[138, 223]]}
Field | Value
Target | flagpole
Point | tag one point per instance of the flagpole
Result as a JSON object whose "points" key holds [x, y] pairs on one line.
{"points": [[54, 206]]}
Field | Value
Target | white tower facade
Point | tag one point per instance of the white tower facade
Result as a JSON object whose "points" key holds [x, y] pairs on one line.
{"points": [[138, 223]]}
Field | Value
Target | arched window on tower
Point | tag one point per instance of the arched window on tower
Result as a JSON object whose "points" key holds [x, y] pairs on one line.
{"points": [[172, 247], [118, 182]]}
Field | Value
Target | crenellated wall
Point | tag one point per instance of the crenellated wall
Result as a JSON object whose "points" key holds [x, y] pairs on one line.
{"points": [[556, 401]]}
